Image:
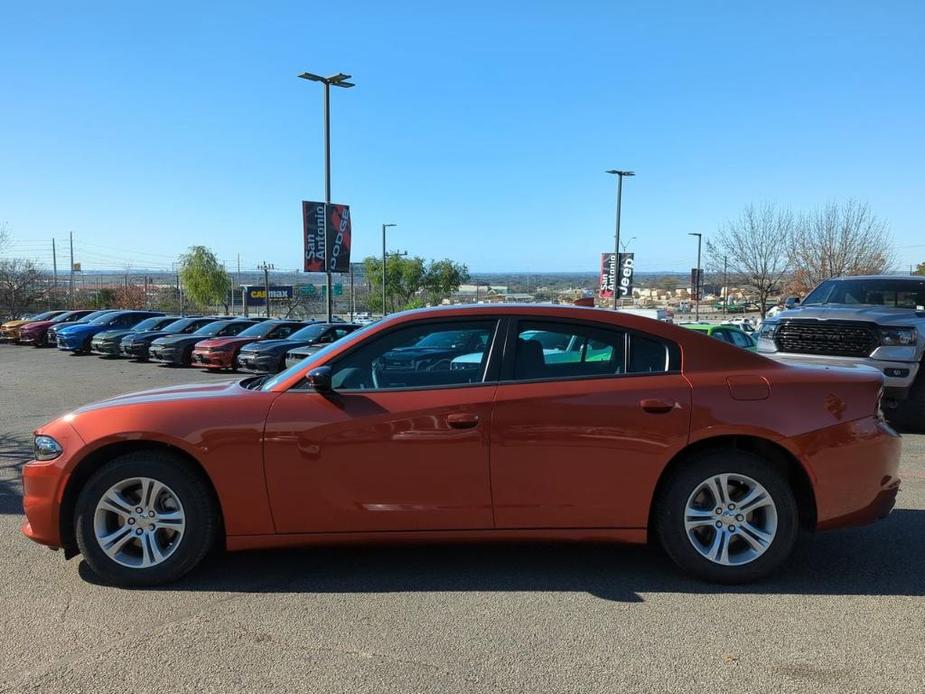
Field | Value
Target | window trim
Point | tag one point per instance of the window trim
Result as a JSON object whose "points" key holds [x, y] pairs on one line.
{"points": [[510, 346], [492, 365]]}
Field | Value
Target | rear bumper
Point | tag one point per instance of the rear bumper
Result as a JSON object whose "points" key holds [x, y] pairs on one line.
{"points": [[854, 468]]}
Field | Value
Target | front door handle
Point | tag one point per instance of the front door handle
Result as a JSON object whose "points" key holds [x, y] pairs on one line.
{"points": [[656, 406], [462, 420]]}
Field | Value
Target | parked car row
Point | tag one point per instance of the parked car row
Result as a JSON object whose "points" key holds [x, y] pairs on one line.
{"points": [[213, 342]]}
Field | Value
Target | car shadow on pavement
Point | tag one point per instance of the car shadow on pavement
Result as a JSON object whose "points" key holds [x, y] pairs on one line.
{"points": [[15, 451], [885, 559]]}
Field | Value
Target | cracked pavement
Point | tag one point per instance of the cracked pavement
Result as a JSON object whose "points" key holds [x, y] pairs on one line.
{"points": [[847, 614]]}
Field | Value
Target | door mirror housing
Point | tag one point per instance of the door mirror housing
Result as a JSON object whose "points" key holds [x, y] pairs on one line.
{"points": [[320, 379]]}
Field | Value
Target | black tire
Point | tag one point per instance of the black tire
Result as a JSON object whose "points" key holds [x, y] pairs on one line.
{"points": [[200, 511], [670, 513], [909, 414]]}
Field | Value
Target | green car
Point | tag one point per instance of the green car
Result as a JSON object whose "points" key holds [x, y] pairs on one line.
{"points": [[726, 333]]}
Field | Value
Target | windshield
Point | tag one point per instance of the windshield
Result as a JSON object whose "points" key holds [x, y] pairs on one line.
{"points": [[213, 328], [148, 324], [312, 332], [895, 293], [66, 316], [103, 319], [258, 330], [43, 316], [90, 317], [351, 339], [444, 339]]}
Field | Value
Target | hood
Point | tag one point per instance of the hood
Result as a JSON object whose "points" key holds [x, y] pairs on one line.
{"points": [[218, 342], [155, 395], [882, 315], [146, 334], [67, 324], [178, 339], [112, 334], [306, 350], [78, 328], [36, 325], [274, 345], [14, 323]]}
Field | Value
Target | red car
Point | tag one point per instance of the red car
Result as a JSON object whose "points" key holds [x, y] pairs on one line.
{"points": [[474, 423], [217, 353]]}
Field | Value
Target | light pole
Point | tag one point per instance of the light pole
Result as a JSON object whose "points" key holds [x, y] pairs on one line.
{"points": [[384, 227], [616, 244], [697, 280], [338, 80], [626, 244]]}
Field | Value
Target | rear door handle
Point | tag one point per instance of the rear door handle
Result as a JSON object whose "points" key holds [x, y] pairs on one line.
{"points": [[656, 406], [462, 420]]}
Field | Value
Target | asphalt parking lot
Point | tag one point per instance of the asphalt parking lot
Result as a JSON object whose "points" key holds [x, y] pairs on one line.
{"points": [[848, 614]]}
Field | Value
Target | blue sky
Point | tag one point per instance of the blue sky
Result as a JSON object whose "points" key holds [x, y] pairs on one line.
{"points": [[482, 128]]}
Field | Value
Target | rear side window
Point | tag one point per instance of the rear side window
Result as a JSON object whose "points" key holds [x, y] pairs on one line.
{"points": [[553, 350]]}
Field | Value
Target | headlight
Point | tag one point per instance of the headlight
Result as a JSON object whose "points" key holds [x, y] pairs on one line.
{"points": [[768, 330], [894, 337], [46, 448]]}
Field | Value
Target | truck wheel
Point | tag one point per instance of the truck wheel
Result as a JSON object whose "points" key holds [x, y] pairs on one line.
{"points": [[727, 516], [909, 414]]}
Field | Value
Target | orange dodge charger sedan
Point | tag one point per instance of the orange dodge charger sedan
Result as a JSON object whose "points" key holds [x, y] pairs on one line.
{"points": [[476, 423]]}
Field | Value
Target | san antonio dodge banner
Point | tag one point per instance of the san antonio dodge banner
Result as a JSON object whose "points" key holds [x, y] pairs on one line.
{"points": [[331, 230], [623, 275]]}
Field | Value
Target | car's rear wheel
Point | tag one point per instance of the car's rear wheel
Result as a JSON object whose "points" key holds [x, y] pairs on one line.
{"points": [[727, 516], [145, 518]]}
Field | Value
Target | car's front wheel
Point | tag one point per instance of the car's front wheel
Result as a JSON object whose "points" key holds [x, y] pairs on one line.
{"points": [[727, 516], [145, 518]]}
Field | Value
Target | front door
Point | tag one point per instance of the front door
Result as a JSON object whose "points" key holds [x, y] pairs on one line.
{"points": [[401, 443], [585, 418]]}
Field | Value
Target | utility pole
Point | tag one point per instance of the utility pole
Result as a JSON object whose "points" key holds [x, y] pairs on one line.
{"points": [[353, 296], [725, 284], [338, 80], [266, 283], [237, 280], [384, 265], [70, 284], [698, 279], [616, 244], [54, 269]]}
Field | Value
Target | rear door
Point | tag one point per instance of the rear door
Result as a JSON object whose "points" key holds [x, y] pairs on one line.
{"points": [[580, 436]]}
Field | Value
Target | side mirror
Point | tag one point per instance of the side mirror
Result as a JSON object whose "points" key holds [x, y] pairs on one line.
{"points": [[320, 379]]}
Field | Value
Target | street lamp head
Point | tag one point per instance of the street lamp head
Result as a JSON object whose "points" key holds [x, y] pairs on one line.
{"points": [[694, 233], [338, 80], [389, 225], [617, 172]]}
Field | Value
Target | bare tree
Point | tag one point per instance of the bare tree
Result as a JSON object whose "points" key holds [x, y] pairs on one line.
{"points": [[21, 285], [753, 247], [837, 240]]}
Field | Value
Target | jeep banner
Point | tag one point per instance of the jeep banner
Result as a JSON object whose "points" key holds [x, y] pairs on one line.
{"points": [[326, 226], [623, 276]]}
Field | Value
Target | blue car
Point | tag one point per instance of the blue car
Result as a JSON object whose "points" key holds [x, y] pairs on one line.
{"points": [[77, 338]]}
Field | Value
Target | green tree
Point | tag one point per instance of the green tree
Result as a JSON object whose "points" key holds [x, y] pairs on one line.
{"points": [[205, 281], [920, 269], [410, 282]]}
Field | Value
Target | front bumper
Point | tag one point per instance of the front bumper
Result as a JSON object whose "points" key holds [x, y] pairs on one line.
{"points": [[135, 350], [257, 363], [167, 355], [29, 338], [213, 360], [110, 348], [898, 376], [71, 344]]}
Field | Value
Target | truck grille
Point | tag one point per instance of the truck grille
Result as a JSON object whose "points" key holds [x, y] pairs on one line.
{"points": [[836, 338]]}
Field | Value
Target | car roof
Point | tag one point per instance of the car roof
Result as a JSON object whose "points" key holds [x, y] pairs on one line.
{"points": [[875, 277]]}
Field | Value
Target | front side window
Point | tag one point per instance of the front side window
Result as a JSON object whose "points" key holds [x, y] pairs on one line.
{"points": [[425, 355], [549, 350]]}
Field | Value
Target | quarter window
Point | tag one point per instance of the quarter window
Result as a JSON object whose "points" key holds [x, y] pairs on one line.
{"points": [[425, 355]]}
